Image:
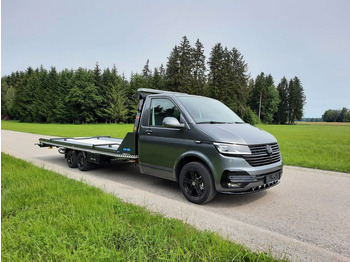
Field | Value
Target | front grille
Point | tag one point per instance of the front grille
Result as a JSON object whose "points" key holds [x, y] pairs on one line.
{"points": [[260, 155]]}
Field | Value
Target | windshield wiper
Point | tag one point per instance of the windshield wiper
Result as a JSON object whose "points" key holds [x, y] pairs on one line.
{"points": [[213, 122], [218, 122]]}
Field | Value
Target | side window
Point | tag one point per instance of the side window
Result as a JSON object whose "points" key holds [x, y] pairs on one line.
{"points": [[160, 109]]}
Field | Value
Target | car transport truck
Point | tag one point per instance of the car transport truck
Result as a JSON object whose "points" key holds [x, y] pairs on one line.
{"points": [[194, 140]]}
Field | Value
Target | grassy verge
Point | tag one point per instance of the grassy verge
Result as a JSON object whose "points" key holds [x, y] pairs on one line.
{"points": [[316, 145], [69, 130], [48, 217]]}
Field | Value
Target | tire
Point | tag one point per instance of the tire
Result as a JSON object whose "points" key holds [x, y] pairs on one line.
{"points": [[72, 159], [196, 183], [82, 162]]}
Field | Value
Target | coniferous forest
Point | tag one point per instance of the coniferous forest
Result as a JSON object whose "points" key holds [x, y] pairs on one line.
{"points": [[104, 96]]}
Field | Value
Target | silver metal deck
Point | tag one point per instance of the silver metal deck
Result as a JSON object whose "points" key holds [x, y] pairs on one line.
{"points": [[103, 145]]}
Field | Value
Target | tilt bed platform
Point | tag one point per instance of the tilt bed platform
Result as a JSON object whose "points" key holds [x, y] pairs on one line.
{"points": [[105, 145]]}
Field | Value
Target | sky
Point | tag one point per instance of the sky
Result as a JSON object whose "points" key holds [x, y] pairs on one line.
{"points": [[308, 39]]}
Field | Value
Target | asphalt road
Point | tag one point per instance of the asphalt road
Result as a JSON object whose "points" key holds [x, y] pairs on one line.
{"points": [[304, 218]]}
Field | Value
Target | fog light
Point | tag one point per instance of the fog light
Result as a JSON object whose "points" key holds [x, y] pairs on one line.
{"points": [[233, 185]]}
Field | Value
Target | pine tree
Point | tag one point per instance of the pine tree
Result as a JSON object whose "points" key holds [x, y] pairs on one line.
{"points": [[256, 95], [32, 83], [37, 108], [270, 100], [146, 72], [181, 67], [270, 106], [227, 79], [4, 89], [21, 97], [173, 74], [264, 98], [281, 115], [101, 82], [52, 94], [156, 79], [198, 77], [97, 73], [61, 110], [216, 76], [147, 75], [296, 100], [8, 93], [83, 97], [104, 92], [117, 109], [239, 81], [162, 71], [186, 66]]}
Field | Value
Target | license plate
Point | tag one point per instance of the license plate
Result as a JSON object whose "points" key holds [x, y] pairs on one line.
{"points": [[272, 177]]}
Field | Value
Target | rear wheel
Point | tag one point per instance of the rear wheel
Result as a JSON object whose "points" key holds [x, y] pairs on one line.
{"points": [[82, 162], [196, 183], [72, 159]]}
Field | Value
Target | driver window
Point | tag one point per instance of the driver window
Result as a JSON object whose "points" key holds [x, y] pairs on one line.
{"points": [[160, 109]]}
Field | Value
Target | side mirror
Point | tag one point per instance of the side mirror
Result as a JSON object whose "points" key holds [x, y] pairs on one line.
{"points": [[172, 122]]}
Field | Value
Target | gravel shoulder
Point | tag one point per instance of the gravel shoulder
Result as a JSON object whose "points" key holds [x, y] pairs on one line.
{"points": [[305, 218]]}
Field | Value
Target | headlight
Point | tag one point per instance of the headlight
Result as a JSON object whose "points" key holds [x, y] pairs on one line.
{"points": [[232, 149]]}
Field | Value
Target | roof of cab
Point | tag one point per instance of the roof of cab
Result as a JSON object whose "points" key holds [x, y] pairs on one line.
{"points": [[143, 92]]}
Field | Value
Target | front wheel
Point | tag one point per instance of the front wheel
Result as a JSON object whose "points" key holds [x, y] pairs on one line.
{"points": [[196, 183]]}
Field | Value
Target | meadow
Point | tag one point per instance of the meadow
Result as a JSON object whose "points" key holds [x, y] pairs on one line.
{"points": [[43, 218], [316, 145], [69, 130]]}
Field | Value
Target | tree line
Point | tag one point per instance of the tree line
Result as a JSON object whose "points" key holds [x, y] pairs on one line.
{"points": [[340, 115], [104, 96]]}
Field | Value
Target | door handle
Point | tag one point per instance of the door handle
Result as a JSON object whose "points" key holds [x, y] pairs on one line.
{"points": [[149, 131]]}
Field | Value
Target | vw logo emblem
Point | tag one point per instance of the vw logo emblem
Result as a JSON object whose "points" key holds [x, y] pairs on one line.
{"points": [[269, 149]]}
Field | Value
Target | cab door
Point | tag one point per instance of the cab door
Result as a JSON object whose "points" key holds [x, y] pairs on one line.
{"points": [[159, 147]]}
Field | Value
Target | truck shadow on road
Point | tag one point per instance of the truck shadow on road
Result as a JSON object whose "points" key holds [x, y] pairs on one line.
{"points": [[171, 189], [128, 174]]}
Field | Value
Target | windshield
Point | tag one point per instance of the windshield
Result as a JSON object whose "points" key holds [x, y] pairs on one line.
{"points": [[206, 110]]}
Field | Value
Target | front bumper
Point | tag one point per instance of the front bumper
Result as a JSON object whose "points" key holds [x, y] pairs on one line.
{"points": [[241, 183], [235, 176]]}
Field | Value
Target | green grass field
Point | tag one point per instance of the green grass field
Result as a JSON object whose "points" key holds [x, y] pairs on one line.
{"points": [[69, 130], [48, 217], [316, 145], [319, 146]]}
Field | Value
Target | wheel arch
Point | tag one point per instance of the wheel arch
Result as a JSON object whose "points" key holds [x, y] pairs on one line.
{"points": [[192, 157]]}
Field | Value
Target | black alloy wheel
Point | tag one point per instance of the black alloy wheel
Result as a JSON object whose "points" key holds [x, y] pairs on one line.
{"points": [[196, 183], [82, 162], [72, 159]]}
